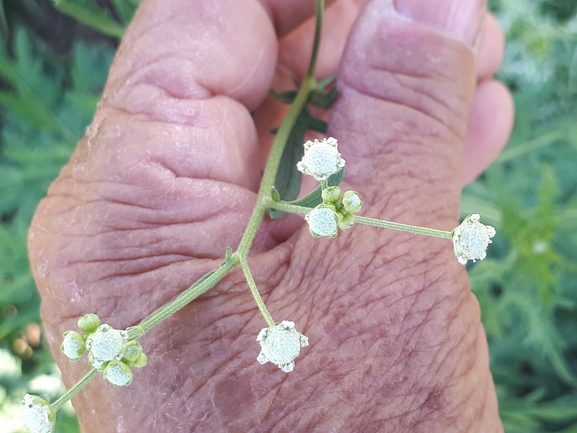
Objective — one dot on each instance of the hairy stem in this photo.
(289, 208)
(74, 390)
(255, 293)
(279, 144)
(206, 283)
(403, 227)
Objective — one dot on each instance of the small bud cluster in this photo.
(471, 239)
(110, 350)
(333, 212)
(281, 344)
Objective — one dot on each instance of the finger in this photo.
(197, 69)
(492, 49)
(287, 16)
(398, 302)
(407, 89)
(489, 128)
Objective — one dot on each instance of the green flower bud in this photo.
(89, 323)
(118, 373)
(346, 221)
(352, 202)
(73, 345)
(39, 415)
(141, 361)
(331, 195)
(132, 351)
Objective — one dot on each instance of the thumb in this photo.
(408, 80)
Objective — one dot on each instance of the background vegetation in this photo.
(53, 64)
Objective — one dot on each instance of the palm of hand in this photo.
(165, 180)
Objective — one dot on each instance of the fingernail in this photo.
(459, 19)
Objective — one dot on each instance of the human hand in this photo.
(165, 180)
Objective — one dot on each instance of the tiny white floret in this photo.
(281, 344)
(471, 239)
(39, 415)
(73, 345)
(118, 373)
(105, 345)
(321, 159)
(322, 222)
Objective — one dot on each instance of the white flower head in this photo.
(471, 239)
(322, 221)
(321, 158)
(39, 415)
(73, 345)
(281, 344)
(105, 345)
(118, 373)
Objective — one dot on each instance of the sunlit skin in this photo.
(166, 178)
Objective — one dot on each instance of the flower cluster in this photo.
(281, 344)
(333, 212)
(110, 350)
(322, 159)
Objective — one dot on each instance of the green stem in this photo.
(287, 207)
(255, 293)
(279, 144)
(318, 28)
(403, 227)
(74, 390)
(206, 283)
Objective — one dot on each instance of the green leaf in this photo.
(31, 97)
(3, 24)
(324, 99)
(314, 198)
(126, 9)
(288, 179)
(88, 12)
(286, 97)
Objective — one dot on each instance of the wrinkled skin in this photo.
(166, 177)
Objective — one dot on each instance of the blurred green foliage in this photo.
(46, 104)
(527, 287)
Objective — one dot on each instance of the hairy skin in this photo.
(166, 177)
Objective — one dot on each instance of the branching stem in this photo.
(74, 390)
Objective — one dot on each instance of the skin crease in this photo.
(165, 180)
